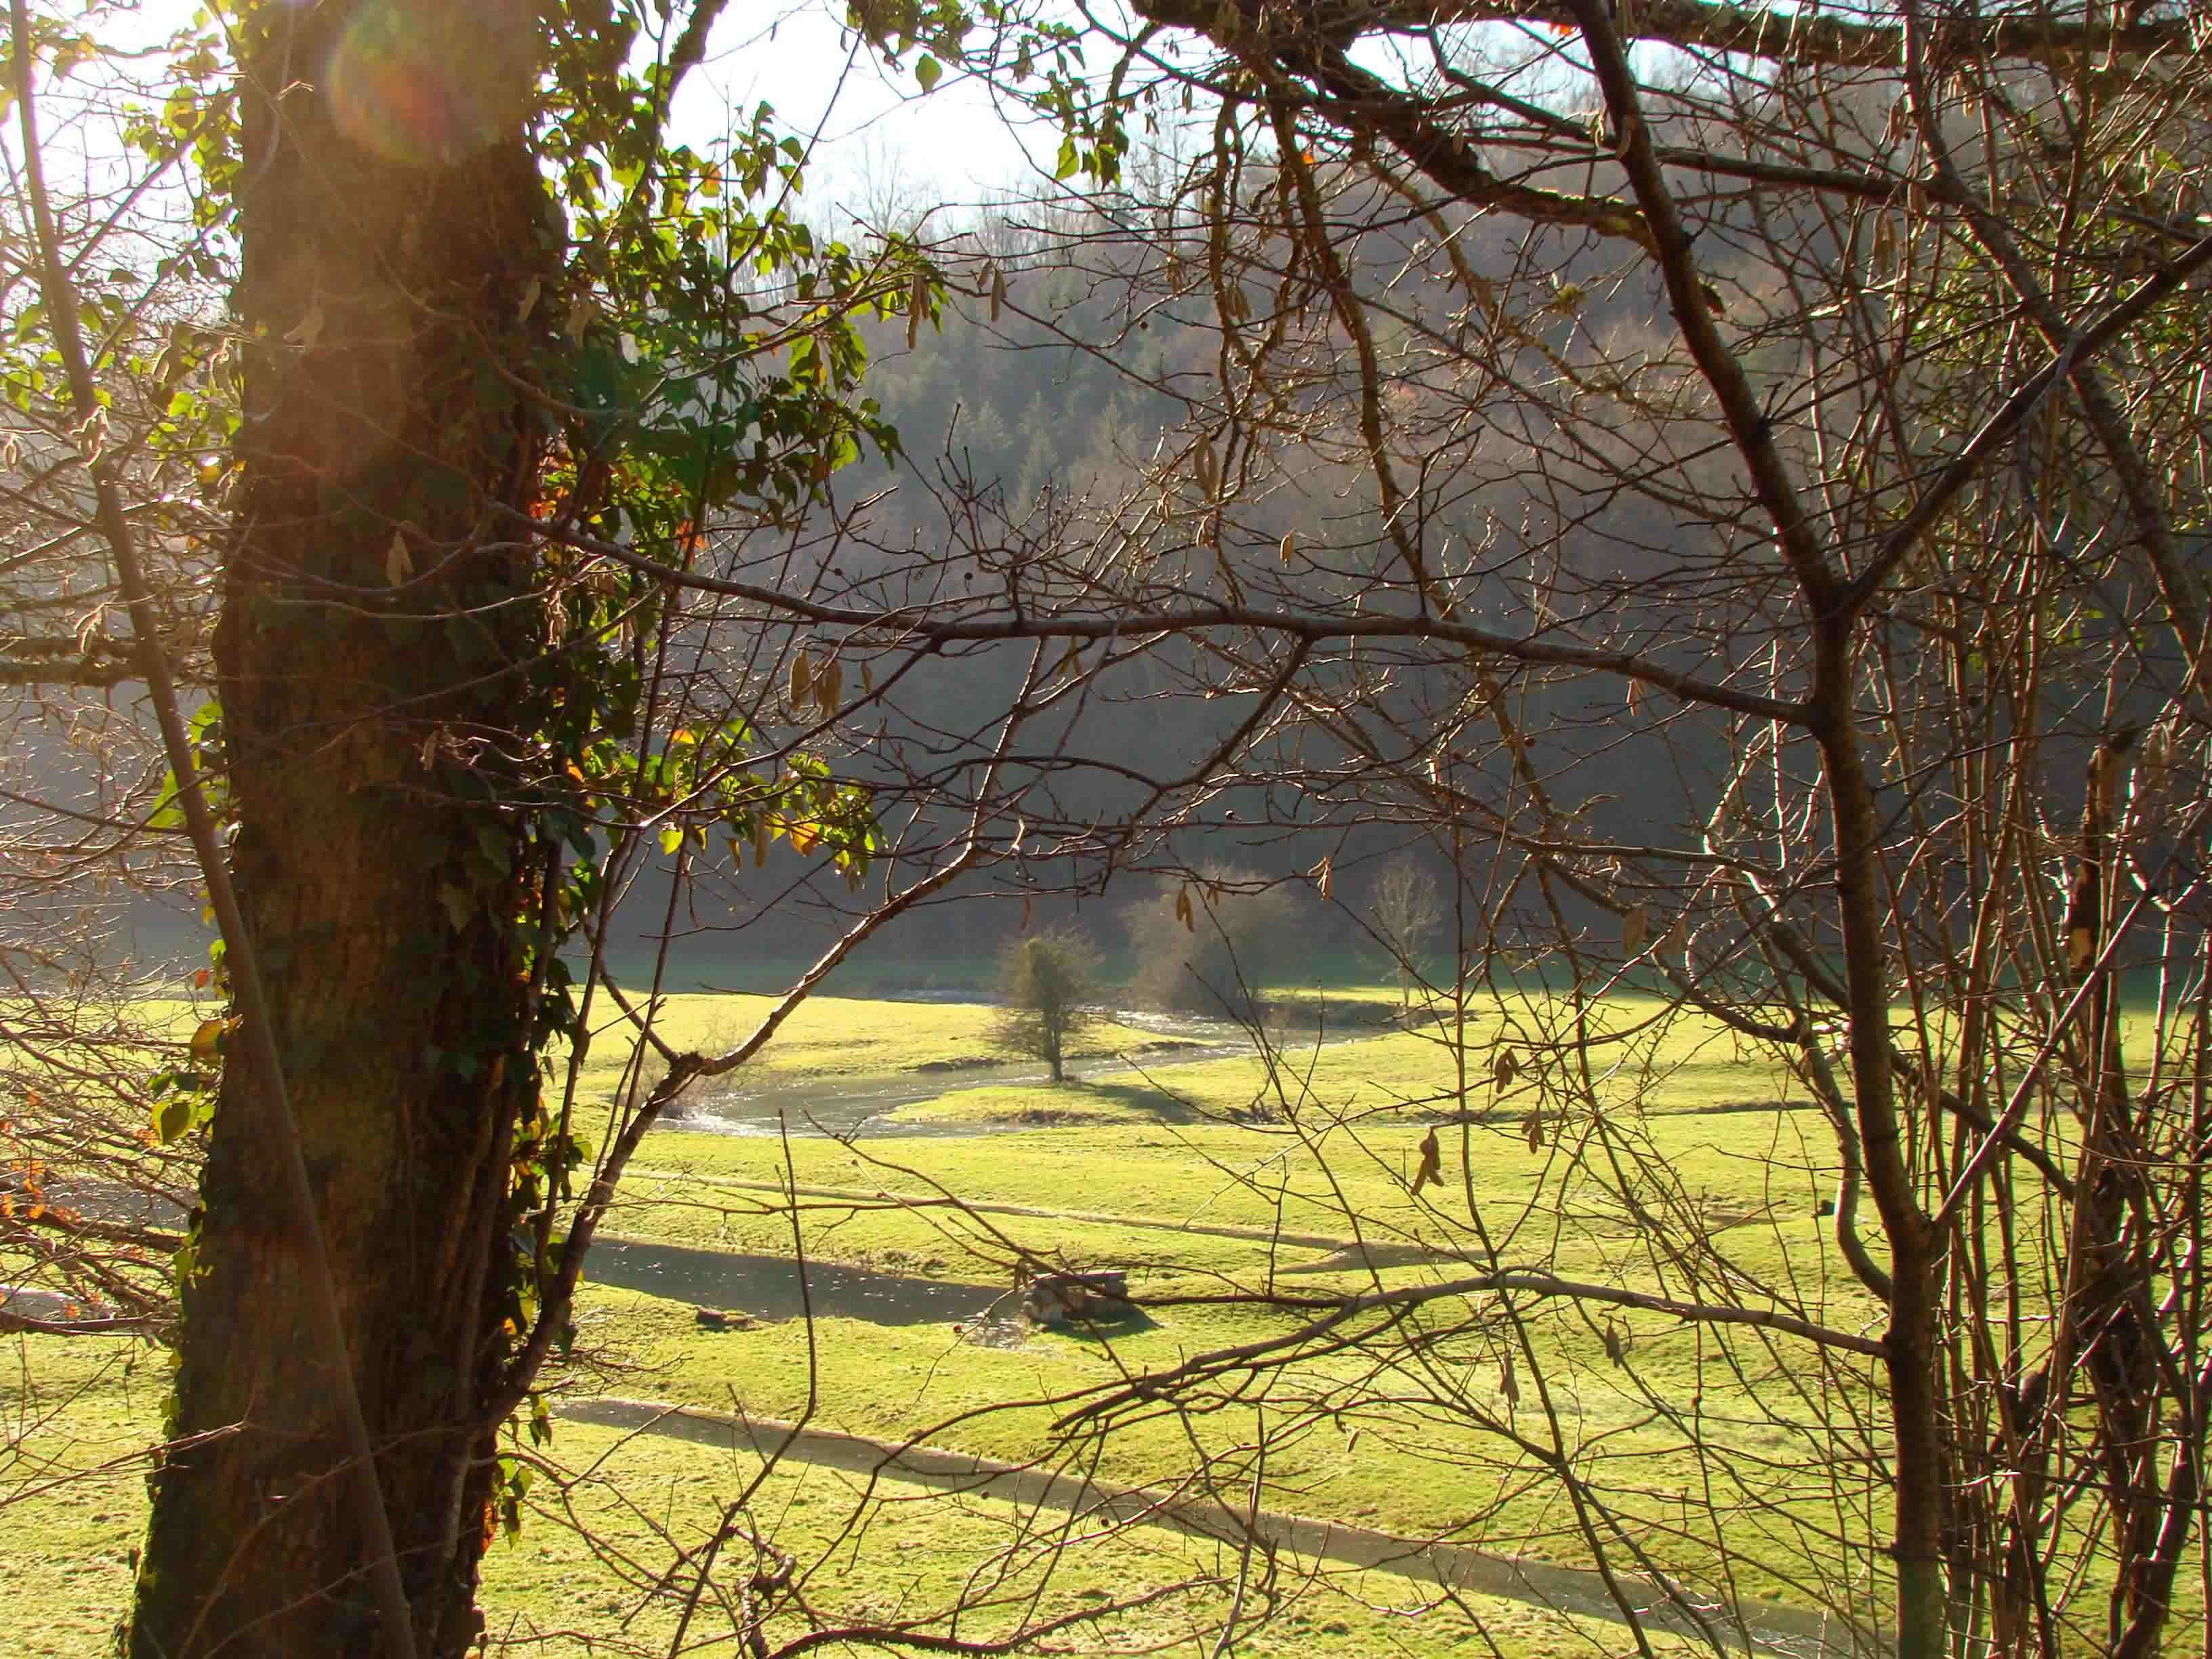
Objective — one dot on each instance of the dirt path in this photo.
(1748, 1627)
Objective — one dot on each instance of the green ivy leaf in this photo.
(172, 1118)
(926, 70)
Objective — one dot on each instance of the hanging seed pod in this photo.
(2160, 746)
(1184, 913)
(802, 679)
(1289, 547)
(1677, 939)
(1616, 1348)
(998, 291)
(1508, 1384)
(1208, 471)
(829, 687)
(1322, 874)
(1504, 1070)
(1432, 1170)
(1634, 928)
(1532, 1127)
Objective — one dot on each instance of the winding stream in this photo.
(848, 1108)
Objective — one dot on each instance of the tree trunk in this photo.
(1919, 1476)
(392, 225)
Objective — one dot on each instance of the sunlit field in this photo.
(606, 1513)
(1653, 1160)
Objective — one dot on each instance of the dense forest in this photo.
(1038, 424)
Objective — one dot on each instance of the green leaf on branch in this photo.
(172, 1119)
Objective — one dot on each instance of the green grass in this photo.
(827, 1039)
(591, 1572)
(1341, 1126)
(1348, 1118)
(1414, 1470)
(1636, 1124)
(1710, 1139)
(75, 1419)
(898, 1554)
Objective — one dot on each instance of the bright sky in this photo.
(882, 140)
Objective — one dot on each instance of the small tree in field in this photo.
(1047, 980)
(1407, 908)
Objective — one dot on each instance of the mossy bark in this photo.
(371, 700)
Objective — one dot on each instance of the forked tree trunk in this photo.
(393, 226)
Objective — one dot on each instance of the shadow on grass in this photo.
(1077, 1102)
(1097, 1330)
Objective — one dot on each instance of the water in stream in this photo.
(849, 1108)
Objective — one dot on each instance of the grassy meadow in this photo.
(1317, 1141)
(1661, 1157)
(588, 1572)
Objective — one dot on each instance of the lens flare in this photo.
(429, 82)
